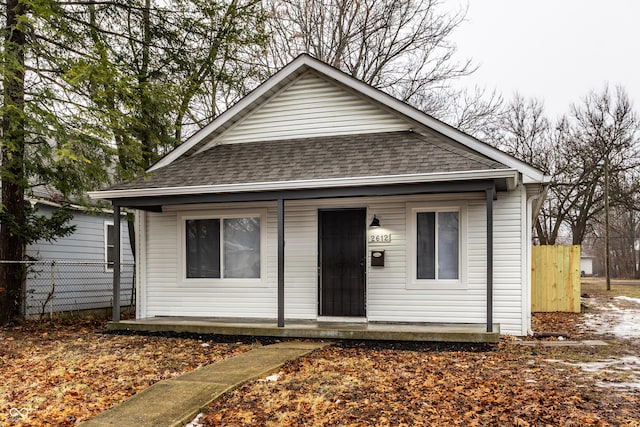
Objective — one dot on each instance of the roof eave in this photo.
(539, 178)
(511, 176)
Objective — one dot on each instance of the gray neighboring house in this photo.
(72, 273)
(320, 198)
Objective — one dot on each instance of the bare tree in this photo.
(478, 112)
(526, 132)
(399, 46)
(624, 235)
(605, 134)
(602, 131)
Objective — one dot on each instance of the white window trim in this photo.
(105, 235)
(412, 209)
(222, 214)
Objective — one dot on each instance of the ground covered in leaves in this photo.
(63, 372)
(359, 386)
(59, 373)
(417, 385)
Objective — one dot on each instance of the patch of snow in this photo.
(628, 325)
(626, 298)
(273, 378)
(195, 422)
(613, 320)
(625, 385)
(204, 344)
(628, 364)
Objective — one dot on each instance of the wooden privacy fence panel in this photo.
(555, 278)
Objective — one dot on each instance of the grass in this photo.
(595, 287)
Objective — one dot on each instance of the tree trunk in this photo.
(146, 114)
(13, 173)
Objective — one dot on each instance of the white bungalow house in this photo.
(318, 197)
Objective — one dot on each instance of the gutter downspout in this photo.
(532, 214)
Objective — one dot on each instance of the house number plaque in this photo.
(380, 238)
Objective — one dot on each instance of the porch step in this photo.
(426, 332)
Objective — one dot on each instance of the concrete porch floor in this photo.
(428, 332)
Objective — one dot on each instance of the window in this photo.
(109, 246)
(203, 248)
(435, 234)
(437, 245)
(223, 247)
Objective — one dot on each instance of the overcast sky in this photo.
(556, 50)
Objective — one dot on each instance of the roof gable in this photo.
(310, 107)
(290, 74)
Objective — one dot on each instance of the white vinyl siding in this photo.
(166, 294)
(509, 254)
(312, 107)
(388, 298)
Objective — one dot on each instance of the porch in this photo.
(427, 332)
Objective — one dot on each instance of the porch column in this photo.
(490, 192)
(116, 263)
(281, 263)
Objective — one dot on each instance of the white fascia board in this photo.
(526, 179)
(510, 174)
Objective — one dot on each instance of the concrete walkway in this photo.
(177, 401)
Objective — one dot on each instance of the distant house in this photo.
(75, 272)
(319, 197)
(586, 265)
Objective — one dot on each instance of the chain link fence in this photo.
(64, 286)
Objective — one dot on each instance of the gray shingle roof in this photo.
(344, 156)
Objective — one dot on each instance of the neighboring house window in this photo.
(225, 247)
(109, 246)
(436, 236)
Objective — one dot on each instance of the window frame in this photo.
(412, 210)
(105, 234)
(183, 217)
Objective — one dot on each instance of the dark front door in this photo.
(342, 262)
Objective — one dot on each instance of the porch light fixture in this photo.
(375, 222)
